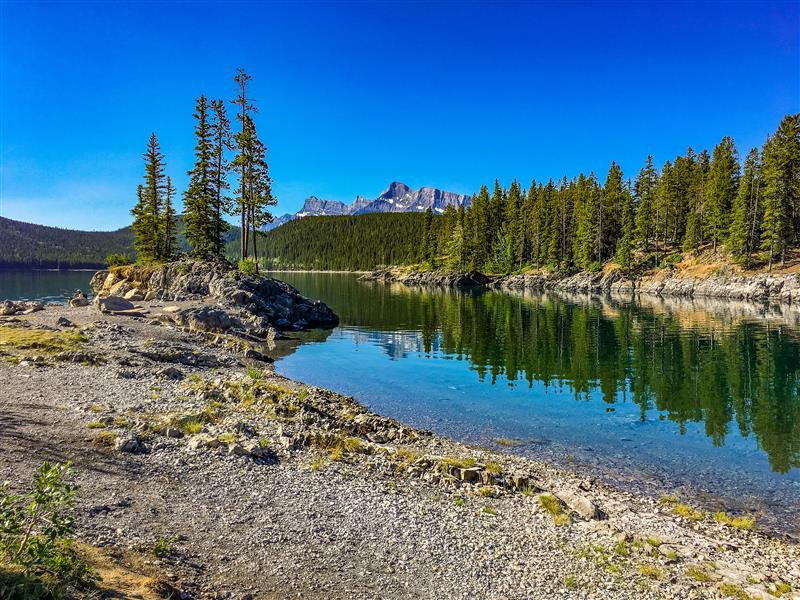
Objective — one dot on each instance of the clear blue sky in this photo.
(355, 95)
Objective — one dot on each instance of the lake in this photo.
(659, 395)
(47, 286)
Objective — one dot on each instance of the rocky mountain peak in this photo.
(396, 189)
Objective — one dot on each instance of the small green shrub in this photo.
(687, 512)
(651, 571)
(163, 547)
(488, 510)
(551, 504)
(458, 501)
(255, 374)
(494, 468)
(734, 591)
(248, 266)
(744, 523)
(118, 260)
(698, 573)
(36, 533)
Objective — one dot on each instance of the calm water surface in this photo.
(702, 397)
(47, 286)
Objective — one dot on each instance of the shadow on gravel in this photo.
(30, 437)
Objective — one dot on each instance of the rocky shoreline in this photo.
(263, 487)
(757, 287)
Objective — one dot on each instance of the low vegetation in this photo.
(27, 341)
(687, 512)
(553, 505)
(744, 523)
(36, 538)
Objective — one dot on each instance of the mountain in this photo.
(398, 197)
(30, 246)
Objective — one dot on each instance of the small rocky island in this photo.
(203, 474)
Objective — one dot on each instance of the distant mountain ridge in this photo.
(398, 197)
(27, 245)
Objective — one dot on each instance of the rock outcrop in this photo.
(429, 278)
(761, 287)
(261, 302)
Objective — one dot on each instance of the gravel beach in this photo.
(261, 487)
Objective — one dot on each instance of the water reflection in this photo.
(723, 365)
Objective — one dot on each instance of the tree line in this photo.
(345, 242)
(698, 200)
(206, 201)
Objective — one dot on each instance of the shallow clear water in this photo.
(702, 397)
(658, 395)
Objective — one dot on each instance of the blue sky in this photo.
(355, 95)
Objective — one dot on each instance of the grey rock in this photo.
(64, 322)
(580, 504)
(130, 444)
(171, 373)
(110, 304)
(203, 440)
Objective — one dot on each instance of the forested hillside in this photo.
(344, 242)
(748, 213)
(29, 246)
(24, 245)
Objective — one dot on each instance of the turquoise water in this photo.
(660, 395)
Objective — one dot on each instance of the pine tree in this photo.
(645, 188)
(585, 226)
(222, 142)
(513, 257)
(610, 213)
(477, 236)
(665, 192)
(781, 176)
(428, 243)
(695, 233)
(723, 181)
(243, 159)
(142, 234)
(147, 213)
(624, 250)
(747, 210)
(169, 232)
(198, 201)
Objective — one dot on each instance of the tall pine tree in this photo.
(199, 225)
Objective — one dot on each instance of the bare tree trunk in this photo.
(255, 237)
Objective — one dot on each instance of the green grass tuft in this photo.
(743, 523)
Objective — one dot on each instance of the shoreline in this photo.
(762, 288)
(319, 447)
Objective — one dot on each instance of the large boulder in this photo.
(112, 304)
(262, 302)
